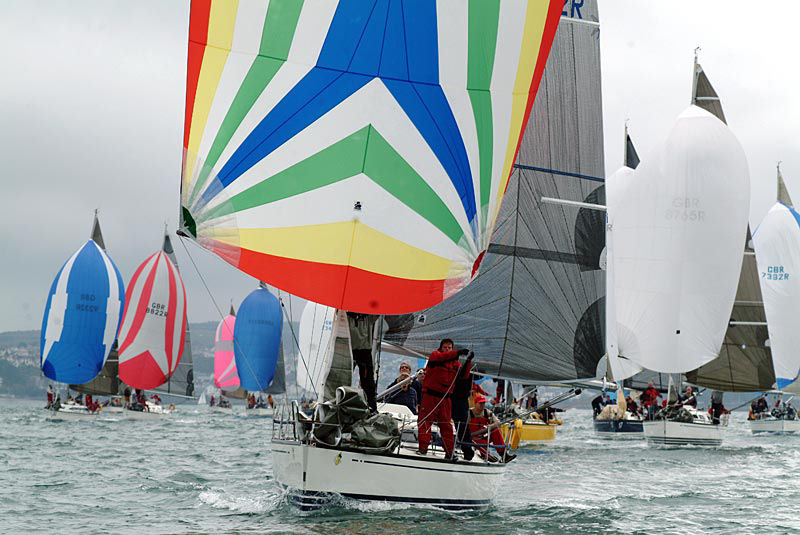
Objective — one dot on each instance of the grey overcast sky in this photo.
(91, 116)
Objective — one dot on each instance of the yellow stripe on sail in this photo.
(331, 243)
(221, 22)
(535, 19)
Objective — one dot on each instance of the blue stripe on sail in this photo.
(782, 383)
(395, 41)
(79, 353)
(257, 338)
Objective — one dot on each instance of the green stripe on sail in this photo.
(364, 151)
(276, 38)
(341, 160)
(484, 17)
(391, 172)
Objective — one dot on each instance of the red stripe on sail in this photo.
(137, 310)
(169, 326)
(548, 34)
(365, 292)
(144, 370)
(198, 36)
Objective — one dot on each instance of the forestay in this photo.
(257, 338)
(82, 314)
(398, 122)
(535, 311)
(153, 331)
(678, 241)
(777, 245)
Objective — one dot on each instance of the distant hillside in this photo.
(21, 377)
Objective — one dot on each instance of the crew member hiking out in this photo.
(361, 326)
(436, 389)
(483, 423)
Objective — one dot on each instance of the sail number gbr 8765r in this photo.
(685, 209)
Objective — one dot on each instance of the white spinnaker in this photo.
(621, 368)
(777, 245)
(316, 346)
(679, 231)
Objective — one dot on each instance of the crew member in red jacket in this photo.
(483, 423)
(436, 389)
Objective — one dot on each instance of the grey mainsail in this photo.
(107, 382)
(783, 193)
(181, 382)
(535, 311)
(745, 360)
(278, 384)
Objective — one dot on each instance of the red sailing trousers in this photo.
(429, 413)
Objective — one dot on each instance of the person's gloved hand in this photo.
(470, 356)
(462, 352)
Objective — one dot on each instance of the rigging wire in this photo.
(219, 311)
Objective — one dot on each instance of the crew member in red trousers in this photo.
(436, 389)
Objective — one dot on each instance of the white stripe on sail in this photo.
(58, 308)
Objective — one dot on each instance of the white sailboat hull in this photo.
(264, 412)
(222, 410)
(70, 414)
(155, 412)
(108, 409)
(314, 475)
(670, 433)
(773, 425)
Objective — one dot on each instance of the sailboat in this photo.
(535, 312)
(152, 335)
(257, 343)
(356, 154)
(617, 422)
(777, 252)
(225, 377)
(81, 319)
(683, 218)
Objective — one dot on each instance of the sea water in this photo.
(200, 472)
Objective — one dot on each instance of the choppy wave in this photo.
(198, 473)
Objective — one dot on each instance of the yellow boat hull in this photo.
(527, 433)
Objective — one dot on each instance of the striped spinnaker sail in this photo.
(356, 153)
(153, 331)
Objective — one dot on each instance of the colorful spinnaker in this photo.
(82, 314)
(398, 122)
(777, 245)
(679, 235)
(257, 339)
(153, 332)
(225, 376)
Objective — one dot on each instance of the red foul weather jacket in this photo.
(440, 372)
